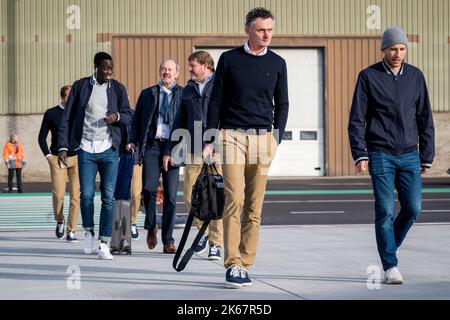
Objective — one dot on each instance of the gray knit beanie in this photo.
(393, 36)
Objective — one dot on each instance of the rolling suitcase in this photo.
(121, 228)
(121, 232)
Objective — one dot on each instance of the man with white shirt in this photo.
(249, 104)
(96, 109)
(51, 122)
(151, 126)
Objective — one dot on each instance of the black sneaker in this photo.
(246, 281)
(71, 237)
(233, 278)
(134, 232)
(59, 231)
(202, 244)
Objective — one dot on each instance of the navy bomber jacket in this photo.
(391, 113)
(193, 107)
(71, 129)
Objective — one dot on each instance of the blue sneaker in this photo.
(233, 278)
(246, 281)
(71, 237)
(214, 252)
(59, 231)
(201, 245)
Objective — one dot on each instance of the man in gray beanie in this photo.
(391, 132)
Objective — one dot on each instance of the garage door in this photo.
(302, 150)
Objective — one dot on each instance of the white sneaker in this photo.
(88, 242)
(104, 253)
(393, 276)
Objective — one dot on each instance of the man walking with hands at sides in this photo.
(391, 133)
(192, 116)
(150, 131)
(249, 104)
(96, 110)
(51, 122)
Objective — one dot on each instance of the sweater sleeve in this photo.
(216, 100)
(357, 120)
(63, 131)
(281, 100)
(425, 126)
(43, 132)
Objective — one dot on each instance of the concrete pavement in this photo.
(294, 263)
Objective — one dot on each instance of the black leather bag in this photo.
(207, 204)
(208, 195)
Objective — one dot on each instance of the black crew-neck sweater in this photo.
(51, 122)
(249, 92)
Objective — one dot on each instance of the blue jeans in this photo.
(151, 172)
(106, 164)
(403, 173)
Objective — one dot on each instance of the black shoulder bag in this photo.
(207, 205)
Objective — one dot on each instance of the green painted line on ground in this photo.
(269, 192)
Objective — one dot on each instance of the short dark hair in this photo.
(258, 12)
(203, 58)
(62, 92)
(99, 56)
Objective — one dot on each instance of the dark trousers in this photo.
(19, 179)
(151, 173)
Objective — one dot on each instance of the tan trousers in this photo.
(136, 191)
(246, 161)
(191, 172)
(59, 178)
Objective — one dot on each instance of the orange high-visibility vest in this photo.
(14, 155)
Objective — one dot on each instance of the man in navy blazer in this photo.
(96, 110)
(151, 126)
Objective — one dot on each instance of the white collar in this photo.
(94, 82)
(249, 51)
(61, 106)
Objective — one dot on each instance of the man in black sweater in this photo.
(249, 104)
(51, 122)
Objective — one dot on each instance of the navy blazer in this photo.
(71, 130)
(147, 107)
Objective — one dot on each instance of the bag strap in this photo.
(188, 255)
(214, 169)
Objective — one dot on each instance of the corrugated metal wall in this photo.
(345, 58)
(138, 58)
(50, 55)
(3, 58)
